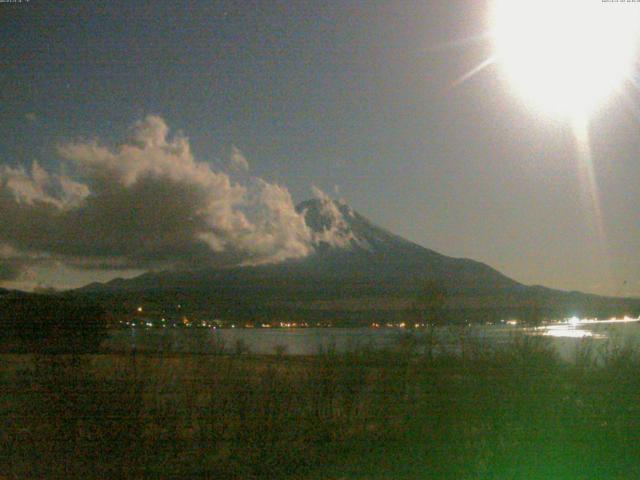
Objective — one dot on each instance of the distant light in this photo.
(139, 309)
(581, 321)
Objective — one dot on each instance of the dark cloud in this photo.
(146, 204)
(11, 269)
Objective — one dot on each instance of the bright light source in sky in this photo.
(565, 57)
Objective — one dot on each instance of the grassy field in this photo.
(512, 413)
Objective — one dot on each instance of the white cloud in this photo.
(335, 230)
(238, 160)
(40, 186)
(146, 204)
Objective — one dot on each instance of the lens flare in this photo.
(565, 57)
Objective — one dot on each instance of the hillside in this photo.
(359, 273)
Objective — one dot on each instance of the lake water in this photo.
(566, 336)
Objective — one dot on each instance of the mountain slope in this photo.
(358, 272)
(347, 248)
(376, 254)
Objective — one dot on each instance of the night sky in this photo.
(356, 98)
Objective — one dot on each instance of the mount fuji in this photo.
(358, 273)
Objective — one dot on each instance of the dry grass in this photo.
(512, 413)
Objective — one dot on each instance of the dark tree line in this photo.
(51, 324)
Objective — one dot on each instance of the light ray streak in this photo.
(590, 195)
(474, 71)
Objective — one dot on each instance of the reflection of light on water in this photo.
(574, 327)
(569, 331)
